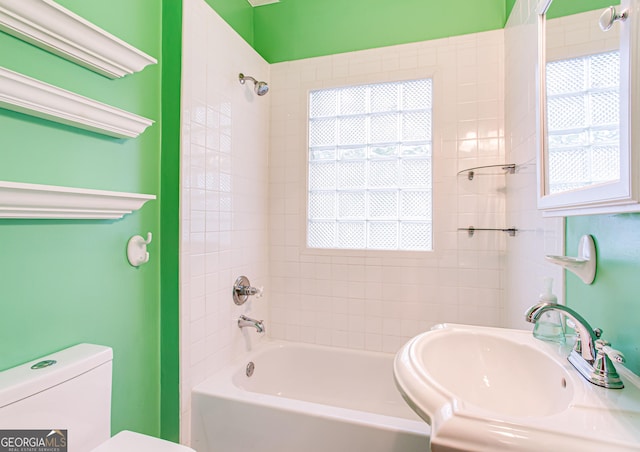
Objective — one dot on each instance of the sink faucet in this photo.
(587, 335)
(244, 321)
(590, 355)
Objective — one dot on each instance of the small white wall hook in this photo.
(137, 250)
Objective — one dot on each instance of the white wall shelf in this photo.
(46, 24)
(33, 97)
(507, 168)
(33, 201)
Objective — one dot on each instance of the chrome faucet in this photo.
(587, 335)
(244, 321)
(591, 356)
(242, 290)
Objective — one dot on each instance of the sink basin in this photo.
(489, 389)
(498, 375)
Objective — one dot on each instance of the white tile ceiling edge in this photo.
(255, 3)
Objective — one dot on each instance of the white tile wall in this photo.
(525, 263)
(224, 196)
(378, 300)
(579, 35)
(244, 190)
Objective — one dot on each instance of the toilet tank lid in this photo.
(22, 381)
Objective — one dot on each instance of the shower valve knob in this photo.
(242, 290)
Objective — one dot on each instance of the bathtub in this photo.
(305, 398)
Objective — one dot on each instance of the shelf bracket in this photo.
(509, 168)
(472, 230)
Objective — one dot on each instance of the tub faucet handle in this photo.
(242, 290)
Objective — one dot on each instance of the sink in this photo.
(484, 389)
(491, 373)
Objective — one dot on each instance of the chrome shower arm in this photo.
(242, 78)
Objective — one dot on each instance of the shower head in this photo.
(261, 88)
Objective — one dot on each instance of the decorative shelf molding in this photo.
(31, 201)
(46, 24)
(33, 97)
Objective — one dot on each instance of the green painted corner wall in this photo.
(296, 29)
(67, 282)
(170, 220)
(568, 7)
(612, 301)
(238, 14)
(509, 4)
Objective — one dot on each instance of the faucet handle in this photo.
(571, 324)
(604, 347)
(242, 290)
(577, 346)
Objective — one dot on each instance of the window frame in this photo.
(372, 79)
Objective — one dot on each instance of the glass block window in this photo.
(583, 123)
(370, 179)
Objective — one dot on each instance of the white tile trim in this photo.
(33, 97)
(32, 201)
(255, 3)
(46, 24)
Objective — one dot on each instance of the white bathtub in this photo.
(305, 398)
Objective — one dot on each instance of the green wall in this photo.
(295, 29)
(612, 301)
(509, 4)
(561, 8)
(238, 14)
(67, 282)
(170, 219)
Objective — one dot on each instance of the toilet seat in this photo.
(127, 441)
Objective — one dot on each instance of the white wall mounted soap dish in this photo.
(584, 266)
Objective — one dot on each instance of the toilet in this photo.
(70, 390)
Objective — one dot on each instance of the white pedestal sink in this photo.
(491, 389)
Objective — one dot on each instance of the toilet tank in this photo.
(74, 394)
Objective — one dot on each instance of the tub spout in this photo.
(244, 321)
